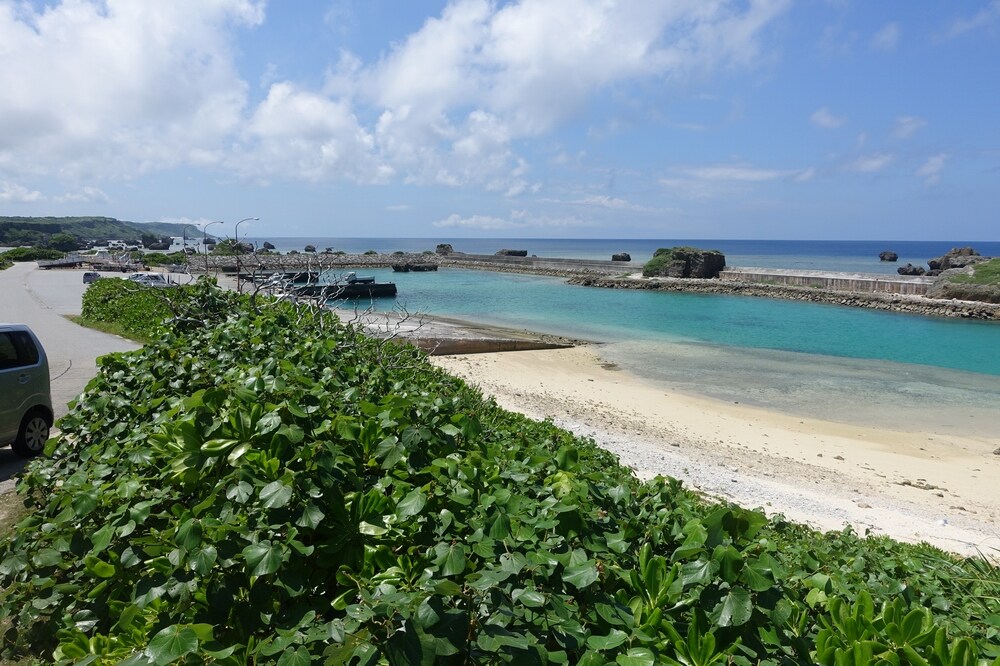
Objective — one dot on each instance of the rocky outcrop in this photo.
(958, 257)
(414, 267)
(512, 253)
(887, 255)
(685, 262)
(621, 256)
(910, 269)
(444, 248)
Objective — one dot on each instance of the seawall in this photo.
(893, 302)
(914, 285)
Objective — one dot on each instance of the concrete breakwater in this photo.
(892, 302)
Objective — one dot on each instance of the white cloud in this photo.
(907, 126)
(15, 193)
(886, 39)
(88, 194)
(613, 203)
(931, 169)
(398, 208)
(114, 88)
(518, 219)
(303, 135)
(827, 120)
(117, 87)
(985, 17)
(738, 173)
(871, 163)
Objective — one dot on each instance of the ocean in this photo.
(838, 363)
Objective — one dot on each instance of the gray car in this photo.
(25, 400)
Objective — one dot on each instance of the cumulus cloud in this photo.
(886, 39)
(613, 203)
(871, 163)
(907, 126)
(931, 169)
(827, 120)
(113, 88)
(117, 87)
(15, 193)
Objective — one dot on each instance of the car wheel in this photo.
(32, 436)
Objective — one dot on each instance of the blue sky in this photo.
(799, 119)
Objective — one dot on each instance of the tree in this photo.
(63, 242)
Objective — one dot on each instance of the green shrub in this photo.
(370, 252)
(263, 484)
(164, 259)
(31, 254)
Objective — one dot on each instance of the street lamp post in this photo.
(204, 241)
(238, 249)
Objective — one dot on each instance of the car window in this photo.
(17, 350)
(8, 352)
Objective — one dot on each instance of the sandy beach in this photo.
(912, 486)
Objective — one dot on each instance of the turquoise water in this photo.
(606, 315)
(888, 370)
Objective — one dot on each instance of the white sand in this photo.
(912, 486)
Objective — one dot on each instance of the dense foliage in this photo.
(137, 311)
(30, 254)
(274, 487)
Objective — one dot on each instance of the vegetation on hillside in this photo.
(982, 284)
(39, 231)
(263, 484)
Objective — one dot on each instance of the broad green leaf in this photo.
(275, 495)
(450, 557)
(609, 642)
(412, 504)
(582, 575)
(637, 657)
(311, 516)
(531, 598)
(299, 657)
(734, 610)
(189, 534)
(203, 559)
(262, 558)
(172, 643)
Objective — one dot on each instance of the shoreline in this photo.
(909, 486)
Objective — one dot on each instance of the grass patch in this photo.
(987, 272)
(111, 328)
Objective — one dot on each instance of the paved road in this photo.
(41, 299)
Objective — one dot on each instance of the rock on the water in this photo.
(444, 248)
(685, 262)
(887, 256)
(512, 253)
(910, 269)
(621, 256)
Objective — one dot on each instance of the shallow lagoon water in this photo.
(832, 362)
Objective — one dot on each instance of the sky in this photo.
(673, 119)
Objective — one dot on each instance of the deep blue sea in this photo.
(840, 363)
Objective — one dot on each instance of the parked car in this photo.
(26, 407)
(151, 279)
(91, 276)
